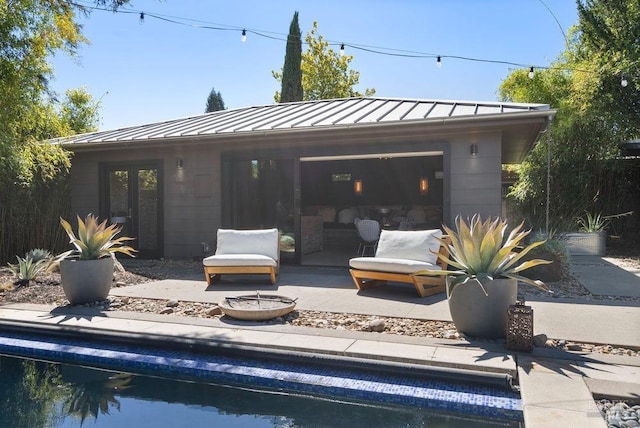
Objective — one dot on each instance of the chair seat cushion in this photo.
(384, 264)
(239, 260)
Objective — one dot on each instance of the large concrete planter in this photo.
(86, 281)
(585, 243)
(479, 315)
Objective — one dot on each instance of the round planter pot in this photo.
(478, 315)
(86, 281)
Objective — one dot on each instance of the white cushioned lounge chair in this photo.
(244, 252)
(399, 255)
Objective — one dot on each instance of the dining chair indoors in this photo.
(369, 233)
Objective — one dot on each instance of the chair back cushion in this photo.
(417, 245)
(259, 241)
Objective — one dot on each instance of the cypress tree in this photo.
(214, 101)
(291, 72)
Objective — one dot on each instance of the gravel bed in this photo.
(619, 414)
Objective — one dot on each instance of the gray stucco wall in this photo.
(475, 181)
(192, 201)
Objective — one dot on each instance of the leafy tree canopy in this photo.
(33, 175)
(595, 114)
(325, 72)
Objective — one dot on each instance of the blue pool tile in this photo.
(318, 380)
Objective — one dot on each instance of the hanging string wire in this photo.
(378, 50)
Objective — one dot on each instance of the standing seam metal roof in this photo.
(303, 115)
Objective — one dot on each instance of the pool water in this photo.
(44, 394)
(167, 384)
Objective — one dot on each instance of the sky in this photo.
(156, 70)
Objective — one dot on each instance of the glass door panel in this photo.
(147, 209)
(119, 207)
(263, 198)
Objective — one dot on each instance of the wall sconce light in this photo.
(424, 186)
(179, 163)
(474, 150)
(357, 187)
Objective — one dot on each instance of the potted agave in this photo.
(86, 271)
(485, 282)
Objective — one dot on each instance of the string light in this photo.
(624, 82)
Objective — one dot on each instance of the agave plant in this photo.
(28, 268)
(480, 253)
(39, 254)
(592, 222)
(95, 240)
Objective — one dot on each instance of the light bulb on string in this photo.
(141, 21)
(624, 82)
(439, 62)
(244, 36)
(531, 73)
(342, 49)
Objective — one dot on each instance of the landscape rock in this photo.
(540, 340)
(376, 325)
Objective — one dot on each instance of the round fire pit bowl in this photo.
(257, 307)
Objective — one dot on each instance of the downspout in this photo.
(548, 201)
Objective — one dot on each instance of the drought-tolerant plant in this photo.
(593, 222)
(480, 253)
(39, 254)
(27, 269)
(95, 240)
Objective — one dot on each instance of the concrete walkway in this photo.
(557, 387)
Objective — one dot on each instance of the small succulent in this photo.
(480, 253)
(95, 240)
(39, 254)
(28, 268)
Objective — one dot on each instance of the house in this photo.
(308, 168)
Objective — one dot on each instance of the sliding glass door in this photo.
(260, 193)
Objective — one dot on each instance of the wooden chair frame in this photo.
(424, 285)
(214, 273)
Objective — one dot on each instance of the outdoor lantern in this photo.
(520, 327)
(179, 163)
(424, 186)
(357, 187)
(474, 150)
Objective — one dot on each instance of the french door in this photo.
(132, 198)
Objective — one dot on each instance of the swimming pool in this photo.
(193, 389)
